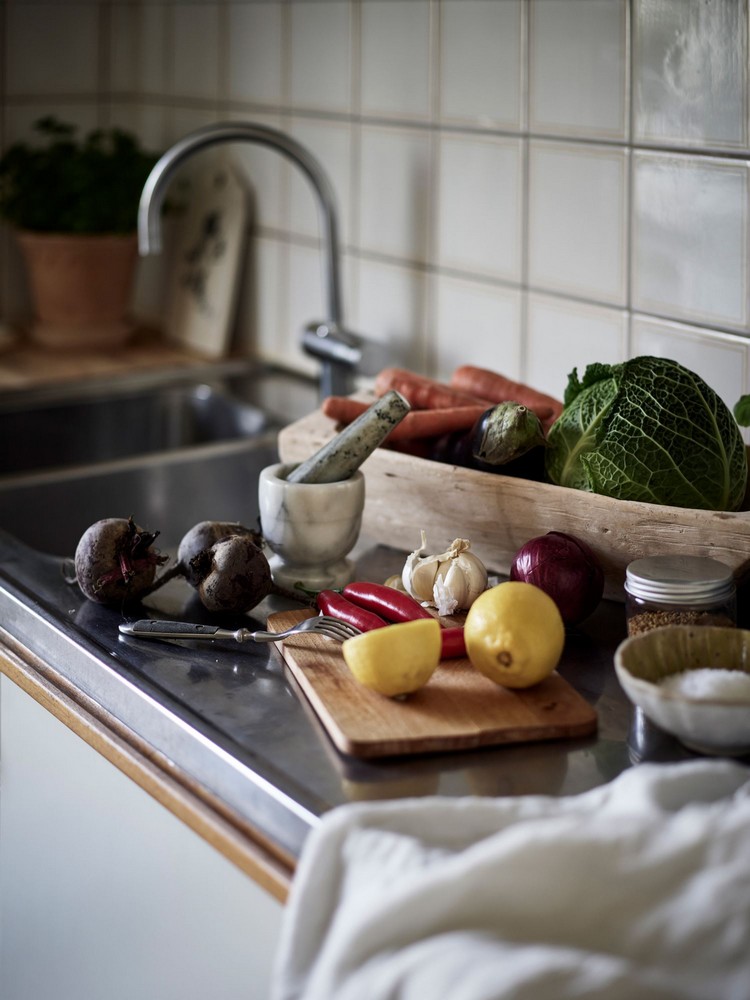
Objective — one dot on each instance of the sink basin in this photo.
(170, 450)
(58, 430)
(168, 493)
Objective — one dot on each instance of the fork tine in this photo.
(332, 628)
(335, 628)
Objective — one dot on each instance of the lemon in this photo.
(397, 659)
(514, 634)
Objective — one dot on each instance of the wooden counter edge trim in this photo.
(235, 840)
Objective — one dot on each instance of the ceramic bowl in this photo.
(709, 725)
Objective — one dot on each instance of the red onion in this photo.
(566, 569)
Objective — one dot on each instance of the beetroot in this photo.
(223, 561)
(201, 537)
(114, 561)
(232, 575)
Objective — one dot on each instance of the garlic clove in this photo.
(449, 581)
(443, 598)
(421, 578)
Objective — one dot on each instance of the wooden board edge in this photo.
(477, 741)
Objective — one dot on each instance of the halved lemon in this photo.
(395, 660)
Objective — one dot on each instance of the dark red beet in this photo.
(233, 575)
(114, 561)
(201, 537)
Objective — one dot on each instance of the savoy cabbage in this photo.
(650, 430)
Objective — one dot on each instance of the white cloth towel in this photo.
(637, 890)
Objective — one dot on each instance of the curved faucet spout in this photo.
(336, 348)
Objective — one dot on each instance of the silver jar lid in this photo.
(687, 580)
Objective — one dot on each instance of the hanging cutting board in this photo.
(457, 709)
(208, 253)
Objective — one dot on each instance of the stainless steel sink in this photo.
(168, 493)
(170, 450)
(63, 427)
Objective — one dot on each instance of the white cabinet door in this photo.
(104, 894)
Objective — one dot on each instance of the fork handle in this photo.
(149, 628)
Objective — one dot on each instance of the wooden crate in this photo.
(498, 514)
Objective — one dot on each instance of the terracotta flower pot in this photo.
(81, 287)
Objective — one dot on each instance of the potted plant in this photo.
(74, 204)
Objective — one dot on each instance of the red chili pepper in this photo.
(453, 644)
(386, 601)
(332, 603)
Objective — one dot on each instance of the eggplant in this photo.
(508, 438)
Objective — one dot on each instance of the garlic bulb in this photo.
(450, 581)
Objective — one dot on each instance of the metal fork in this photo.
(148, 628)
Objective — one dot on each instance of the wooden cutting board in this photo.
(458, 709)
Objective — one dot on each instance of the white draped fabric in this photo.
(637, 889)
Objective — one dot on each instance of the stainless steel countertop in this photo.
(232, 718)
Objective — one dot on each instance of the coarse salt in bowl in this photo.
(692, 682)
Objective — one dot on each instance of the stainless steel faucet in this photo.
(338, 349)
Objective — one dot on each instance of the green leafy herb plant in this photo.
(62, 184)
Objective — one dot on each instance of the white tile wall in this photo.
(578, 220)
(690, 231)
(563, 335)
(255, 72)
(481, 66)
(679, 48)
(303, 302)
(480, 193)
(320, 51)
(391, 306)
(123, 48)
(195, 51)
(578, 67)
(395, 69)
(330, 144)
(155, 55)
(38, 63)
(476, 324)
(266, 177)
(531, 184)
(394, 192)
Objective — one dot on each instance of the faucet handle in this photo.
(339, 354)
(343, 354)
(329, 342)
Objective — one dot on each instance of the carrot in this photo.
(422, 392)
(433, 423)
(343, 409)
(499, 389)
(416, 423)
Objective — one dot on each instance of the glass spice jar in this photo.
(678, 590)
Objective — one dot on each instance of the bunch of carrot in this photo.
(440, 408)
